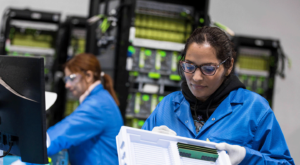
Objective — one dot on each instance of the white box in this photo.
(141, 147)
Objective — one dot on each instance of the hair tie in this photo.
(102, 74)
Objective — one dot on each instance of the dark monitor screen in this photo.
(22, 108)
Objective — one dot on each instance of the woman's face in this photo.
(202, 86)
(75, 83)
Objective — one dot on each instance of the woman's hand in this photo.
(164, 130)
(236, 153)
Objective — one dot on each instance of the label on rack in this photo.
(145, 98)
(158, 60)
(129, 63)
(142, 58)
(133, 73)
(141, 123)
(137, 103)
(153, 102)
(175, 77)
(135, 123)
(160, 98)
(154, 75)
(174, 61)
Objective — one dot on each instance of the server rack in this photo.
(76, 36)
(257, 63)
(81, 36)
(99, 42)
(31, 33)
(150, 39)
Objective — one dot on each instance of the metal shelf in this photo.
(149, 93)
(35, 25)
(154, 44)
(182, 10)
(252, 72)
(33, 50)
(254, 51)
(163, 9)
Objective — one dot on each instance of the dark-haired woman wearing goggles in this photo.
(214, 105)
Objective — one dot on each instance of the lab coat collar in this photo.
(183, 112)
(236, 96)
(224, 109)
(88, 91)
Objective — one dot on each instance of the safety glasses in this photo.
(206, 69)
(72, 79)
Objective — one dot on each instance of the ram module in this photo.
(197, 152)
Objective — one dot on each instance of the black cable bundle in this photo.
(282, 57)
(7, 152)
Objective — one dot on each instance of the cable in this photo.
(7, 152)
(223, 27)
(283, 57)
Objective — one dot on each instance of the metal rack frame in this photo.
(272, 45)
(126, 21)
(57, 111)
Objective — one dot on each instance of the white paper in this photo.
(50, 98)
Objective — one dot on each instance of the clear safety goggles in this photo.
(206, 69)
(73, 79)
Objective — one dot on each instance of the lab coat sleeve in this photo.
(84, 123)
(269, 146)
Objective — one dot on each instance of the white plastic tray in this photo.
(140, 147)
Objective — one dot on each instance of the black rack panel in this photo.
(31, 33)
(256, 64)
(151, 38)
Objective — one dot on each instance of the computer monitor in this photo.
(22, 108)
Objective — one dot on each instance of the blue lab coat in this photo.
(243, 118)
(89, 133)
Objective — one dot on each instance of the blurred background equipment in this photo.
(101, 33)
(33, 34)
(257, 64)
(150, 40)
(138, 43)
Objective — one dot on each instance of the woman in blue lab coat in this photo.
(89, 133)
(214, 105)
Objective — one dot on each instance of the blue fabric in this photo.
(244, 118)
(89, 133)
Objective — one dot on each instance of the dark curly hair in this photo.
(216, 38)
